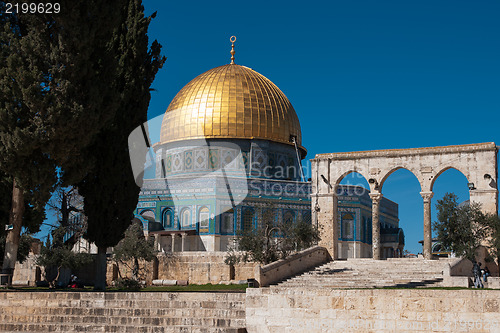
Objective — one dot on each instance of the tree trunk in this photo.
(64, 210)
(53, 283)
(135, 271)
(100, 272)
(14, 235)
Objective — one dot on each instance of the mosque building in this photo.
(229, 156)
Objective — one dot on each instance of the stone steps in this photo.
(369, 273)
(122, 312)
(109, 328)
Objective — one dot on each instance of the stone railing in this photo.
(293, 265)
(457, 273)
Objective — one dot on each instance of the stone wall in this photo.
(372, 310)
(194, 267)
(27, 274)
(201, 268)
(259, 311)
(121, 312)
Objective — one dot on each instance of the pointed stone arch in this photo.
(443, 170)
(347, 173)
(415, 173)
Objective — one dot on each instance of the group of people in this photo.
(479, 273)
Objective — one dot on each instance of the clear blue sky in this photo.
(361, 75)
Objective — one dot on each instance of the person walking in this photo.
(476, 272)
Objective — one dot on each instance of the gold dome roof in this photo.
(231, 101)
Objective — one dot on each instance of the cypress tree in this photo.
(54, 98)
(109, 189)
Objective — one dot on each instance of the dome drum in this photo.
(267, 159)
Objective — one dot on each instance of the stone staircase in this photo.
(369, 273)
(122, 312)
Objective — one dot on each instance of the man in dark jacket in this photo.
(476, 271)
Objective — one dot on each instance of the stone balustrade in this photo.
(296, 263)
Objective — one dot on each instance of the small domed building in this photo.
(229, 156)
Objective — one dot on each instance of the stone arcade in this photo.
(478, 162)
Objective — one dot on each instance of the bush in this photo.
(272, 241)
(127, 284)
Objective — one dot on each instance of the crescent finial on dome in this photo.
(232, 40)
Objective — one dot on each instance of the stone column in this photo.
(157, 242)
(173, 242)
(327, 221)
(427, 196)
(335, 210)
(376, 197)
(183, 242)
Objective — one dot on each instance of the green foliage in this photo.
(127, 284)
(109, 189)
(24, 247)
(199, 288)
(54, 97)
(272, 241)
(460, 228)
(134, 247)
(32, 219)
(59, 255)
(493, 224)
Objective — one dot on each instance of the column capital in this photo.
(183, 235)
(376, 196)
(427, 196)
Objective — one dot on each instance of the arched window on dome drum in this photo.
(227, 221)
(288, 217)
(185, 218)
(269, 215)
(168, 218)
(248, 219)
(148, 215)
(306, 217)
(362, 235)
(204, 218)
(347, 226)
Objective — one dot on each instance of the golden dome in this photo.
(231, 101)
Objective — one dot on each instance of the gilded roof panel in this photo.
(231, 101)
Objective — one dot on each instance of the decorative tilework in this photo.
(259, 158)
(177, 162)
(272, 159)
(244, 160)
(200, 159)
(228, 157)
(214, 158)
(188, 160)
(169, 163)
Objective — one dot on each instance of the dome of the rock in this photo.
(231, 102)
